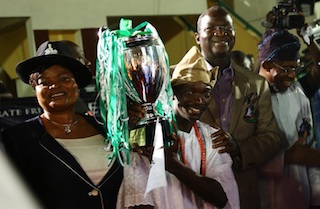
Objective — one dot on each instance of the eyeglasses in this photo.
(287, 69)
(223, 28)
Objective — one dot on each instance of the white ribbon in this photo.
(157, 174)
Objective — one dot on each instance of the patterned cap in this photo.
(193, 68)
(278, 45)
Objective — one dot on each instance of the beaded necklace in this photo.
(202, 149)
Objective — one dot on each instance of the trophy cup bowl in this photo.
(146, 69)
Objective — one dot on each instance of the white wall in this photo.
(75, 14)
(254, 11)
(317, 10)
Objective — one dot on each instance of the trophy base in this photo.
(143, 135)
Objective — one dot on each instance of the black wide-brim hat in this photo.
(55, 53)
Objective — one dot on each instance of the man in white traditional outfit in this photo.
(292, 179)
(197, 176)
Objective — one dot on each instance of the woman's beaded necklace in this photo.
(202, 149)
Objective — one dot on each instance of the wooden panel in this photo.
(40, 36)
(89, 43)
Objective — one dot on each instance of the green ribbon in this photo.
(111, 83)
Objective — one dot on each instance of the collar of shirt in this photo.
(227, 71)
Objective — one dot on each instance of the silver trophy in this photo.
(146, 69)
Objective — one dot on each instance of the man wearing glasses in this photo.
(292, 179)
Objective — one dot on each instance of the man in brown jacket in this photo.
(240, 105)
